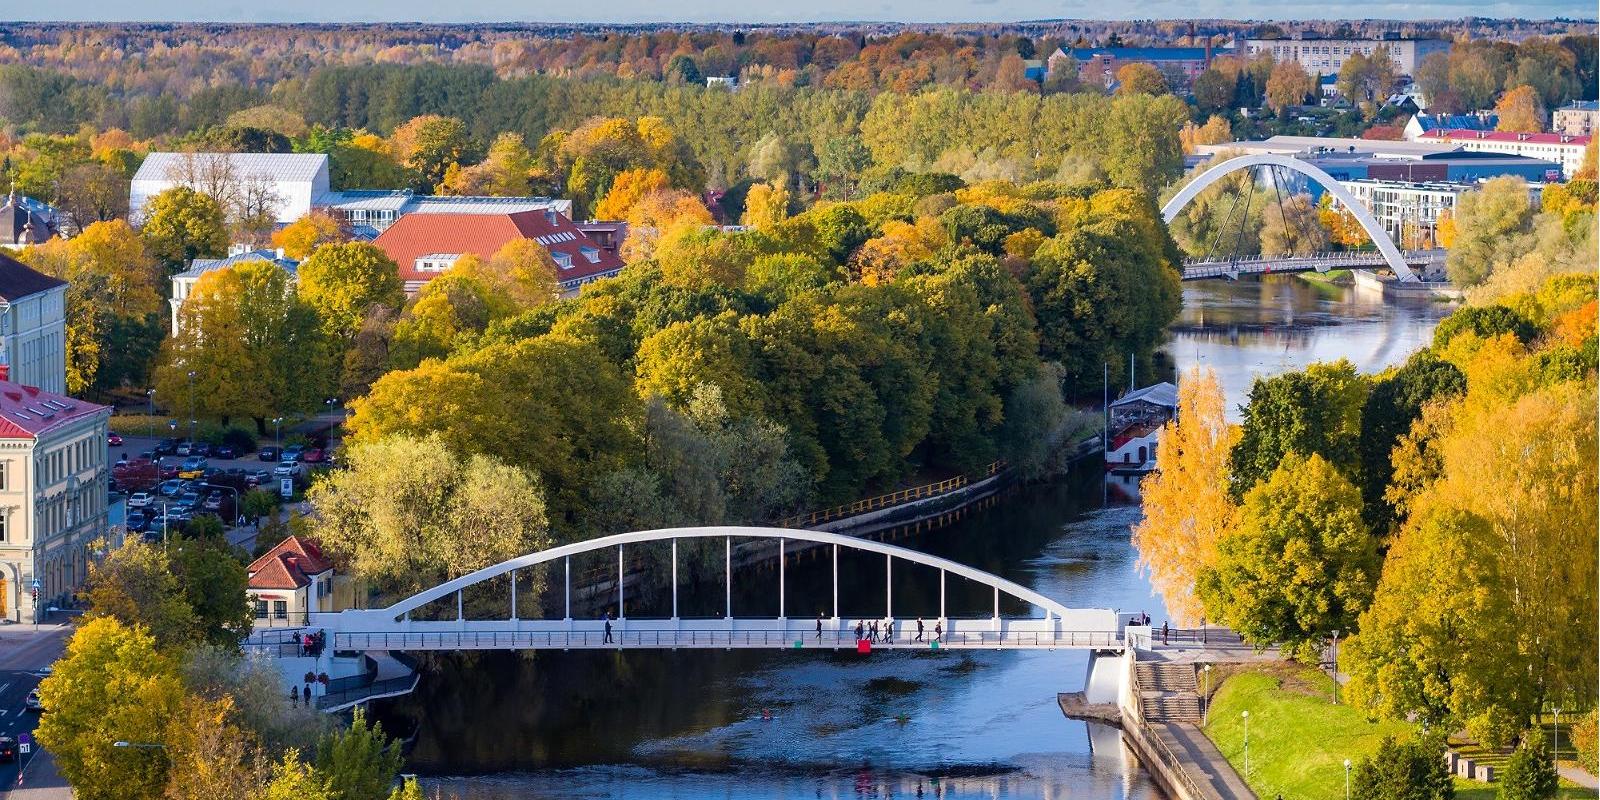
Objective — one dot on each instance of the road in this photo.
(23, 653)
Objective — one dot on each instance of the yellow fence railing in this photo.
(890, 500)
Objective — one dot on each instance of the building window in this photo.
(280, 609)
(562, 259)
(591, 254)
(4, 467)
(261, 609)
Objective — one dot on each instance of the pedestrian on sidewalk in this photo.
(888, 630)
(919, 629)
(1164, 632)
(860, 630)
(608, 629)
(819, 626)
(294, 696)
(938, 631)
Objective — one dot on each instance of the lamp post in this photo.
(151, 394)
(146, 746)
(277, 427)
(1335, 668)
(1205, 697)
(192, 421)
(1246, 716)
(1555, 737)
(1347, 779)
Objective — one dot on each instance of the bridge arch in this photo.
(1051, 607)
(1391, 253)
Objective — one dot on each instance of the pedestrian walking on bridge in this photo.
(608, 629)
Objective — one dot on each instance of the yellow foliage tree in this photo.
(1215, 131)
(1288, 85)
(299, 239)
(627, 189)
(1140, 78)
(1520, 110)
(1186, 503)
(655, 213)
(766, 206)
(900, 245)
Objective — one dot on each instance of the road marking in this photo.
(3, 687)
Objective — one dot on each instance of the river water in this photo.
(647, 724)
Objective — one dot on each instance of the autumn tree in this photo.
(765, 206)
(299, 239)
(1137, 77)
(1314, 411)
(627, 189)
(111, 685)
(522, 272)
(428, 145)
(695, 257)
(1215, 131)
(449, 310)
(181, 224)
(503, 172)
(342, 281)
(1187, 509)
(1491, 226)
(1289, 85)
(1300, 562)
(91, 192)
(136, 585)
(1367, 79)
(1520, 111)
(1292, 227)
(409, 512)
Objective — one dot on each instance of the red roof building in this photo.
(28, 412)
(290, 579)
(425, 245)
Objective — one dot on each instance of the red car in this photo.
(312, 456)
(114, 439)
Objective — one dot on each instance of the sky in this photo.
(736, 11)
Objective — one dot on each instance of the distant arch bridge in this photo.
(1388, 254)
(394, 628)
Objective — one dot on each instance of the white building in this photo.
(1420, 124)
(288, 183)
(1578, 118)
(1558, 147)
(33, 326)
(1409, 211)
(1136, 420)
(183, 282)
(371, 211)
(53, 477)
(1327, 56)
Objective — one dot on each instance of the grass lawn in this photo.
(1299, 739)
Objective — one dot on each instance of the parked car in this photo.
(186, 502)
(293, 452)
(214, 501)
(270, 454)
(193, 467)
(200, 449)
(183, 448)
(170, 487)
(114, 439)
(287, 469)
(8, 749)
(312, 456)
(137, 521)
(140, 499)
(166, 447)
(167, 470)
(257, 477)
(32, 703)
(223, 451)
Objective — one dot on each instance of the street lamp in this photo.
(1335, 669)
(146, 746)
(1205, 697)
(151, 393)
(1246, 715)
(277, 426)
(1347, 779)
(192, 420)
(1555, 737)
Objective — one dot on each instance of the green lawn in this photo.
(1299, 739)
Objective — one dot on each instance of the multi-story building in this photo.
(425, 245)
(1578, 118)
(183, 282)
(1564, 149)
(33, 326)
(1409, 211)
(288, 183)
(1097, 66)
(53, 477)
(1327, 56)
(371, 211)
(1420, 124)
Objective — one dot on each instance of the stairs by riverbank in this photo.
(1168, 692)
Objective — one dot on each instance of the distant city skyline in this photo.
(767, 11)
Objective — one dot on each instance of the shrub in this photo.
(1586, 736)
(1530, 774)
(1412, 770)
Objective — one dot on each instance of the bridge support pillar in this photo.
(1105, 678)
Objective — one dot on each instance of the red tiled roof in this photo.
(289, 565)
(26, 412)
(1458, 134)
(416, 235)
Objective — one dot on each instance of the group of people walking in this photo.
(883, 631)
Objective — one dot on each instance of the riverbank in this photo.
(1299, 740)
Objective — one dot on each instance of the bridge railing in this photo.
(892, 499)
(711, 638)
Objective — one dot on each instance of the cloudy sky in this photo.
(776, 10)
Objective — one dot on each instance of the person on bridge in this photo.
(819, 626)
(860, 630)
(1164, 631)
(919, 629)
(888, 630)
(938, 630)
(608, 629)
(294, 696)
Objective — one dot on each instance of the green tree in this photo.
(1396, 402)
(1142, 150)
(450, 309)
(408, 512)
(359, 762)
(1410, 770)
(214, 582)
(258, 503)
(343, 281)
(1300, 563)
(428, 145)
(1530, 774)
(293, 779)
(1315, 411)
(684, 69)
(839, 161)
(1493, 225)
(135, 585)
(111, 685)
(181, 224)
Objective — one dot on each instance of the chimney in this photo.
(1208, 50)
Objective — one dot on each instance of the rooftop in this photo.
(1458, 134)
(290, 565)
(1581, 105)
(201, 266)
(1161, 394)
(404, 201)
(27, 412)
(415, 236)
(281, 167)
(18, 280)
(1144, 53)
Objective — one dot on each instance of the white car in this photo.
(140, 499)
(287, 469)
(32, 703)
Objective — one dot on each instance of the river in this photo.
(647, 724)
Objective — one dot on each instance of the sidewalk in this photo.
(40, 781)
(1578, 776)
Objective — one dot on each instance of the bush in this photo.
(1586, 737)
(1413, 770)
(1530, 774)
(1486, 322)
(242, 440)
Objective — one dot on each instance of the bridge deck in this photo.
(1319, 262)
(984, 633)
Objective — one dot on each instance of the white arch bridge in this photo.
(1387, 255)
(395, 628)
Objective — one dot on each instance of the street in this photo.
(23, 653)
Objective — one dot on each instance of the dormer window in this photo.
(591, 254)
(563, 260)
(436, 262)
